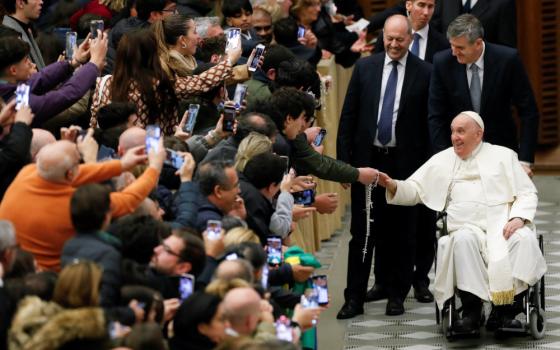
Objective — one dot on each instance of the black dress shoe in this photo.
(394, 307)
(466, 325)
(423, 294)
(377, 292)
(351, 308)
(494, 320)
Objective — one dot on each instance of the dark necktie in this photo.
(415, 49)
(467, 7)
(475, 88)
(385, 124)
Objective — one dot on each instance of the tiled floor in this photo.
(417, 329)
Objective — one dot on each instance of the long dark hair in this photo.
(137, 65)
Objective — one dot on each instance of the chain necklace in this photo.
(369, 220)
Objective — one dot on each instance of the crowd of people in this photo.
(147, 202)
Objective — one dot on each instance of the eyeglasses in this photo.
(168, 250)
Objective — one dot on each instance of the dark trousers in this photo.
(392, 233)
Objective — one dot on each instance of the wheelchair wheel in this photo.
(537, 323)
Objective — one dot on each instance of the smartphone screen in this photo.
(186, 286)
(214, 229)
(300, 32)
(319, 138)
(233, 36)
(96, 25)
(239, 96)
(309, 299)
(284, 329)
(71, 43)
(305, 197)
(229, 118)
(274, 250)
(191, 118)
(259, 51)
(321, 289)
(174, 159)
(153, 134)
(22, 96)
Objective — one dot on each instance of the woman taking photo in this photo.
(140, 78)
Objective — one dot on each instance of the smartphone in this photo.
(287, 160)
(153, 134)
(305, 197)
(71, 44)
(214, 229)
(274, 250)
(22, 96)
(239, 96)
(229, 118)
(309, 298)
(284, 329)
(233, 36)
(259, 51)
(191, 118)
(321, 289)
(173, 158)
(319, 138)
(96, 25)
(300, 32)
(186, 286)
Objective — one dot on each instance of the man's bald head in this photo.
(130, 138)
(230, 269)
(56, 160)
(242, 309)
(397, 36)
(41, 138)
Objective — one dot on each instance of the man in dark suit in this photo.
(384, 125)
(426, 41)
(498, 17)
(488, 79)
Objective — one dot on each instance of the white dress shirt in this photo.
(473, 2)
(387, 68)
(422, 41)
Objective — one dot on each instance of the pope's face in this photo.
(465, 135)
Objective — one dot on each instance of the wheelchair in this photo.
(534, 322)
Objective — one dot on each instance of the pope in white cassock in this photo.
(491, 252)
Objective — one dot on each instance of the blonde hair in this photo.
(298, 5)
(220, 287)
(252, 144)
(240, 234)
(78, 285)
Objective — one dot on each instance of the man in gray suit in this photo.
(20, 16)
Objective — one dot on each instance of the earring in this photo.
(184, 46)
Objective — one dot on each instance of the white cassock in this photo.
(485, 191)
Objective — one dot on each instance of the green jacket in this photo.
(307, 161)
(256, 90)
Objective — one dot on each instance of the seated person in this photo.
(490, 203)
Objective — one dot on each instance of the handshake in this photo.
(373, 176)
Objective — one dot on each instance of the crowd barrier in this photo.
(316, 228)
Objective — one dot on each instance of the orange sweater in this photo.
(40, 209)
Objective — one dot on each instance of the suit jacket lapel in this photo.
(480, 8)
(460, 74)
(409, 77)
(429, 46)
(373, 89)
(489, 77)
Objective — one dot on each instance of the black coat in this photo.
(505, 83)
(358, 121)
(14, 154)
(498, 17)
(259, 209)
